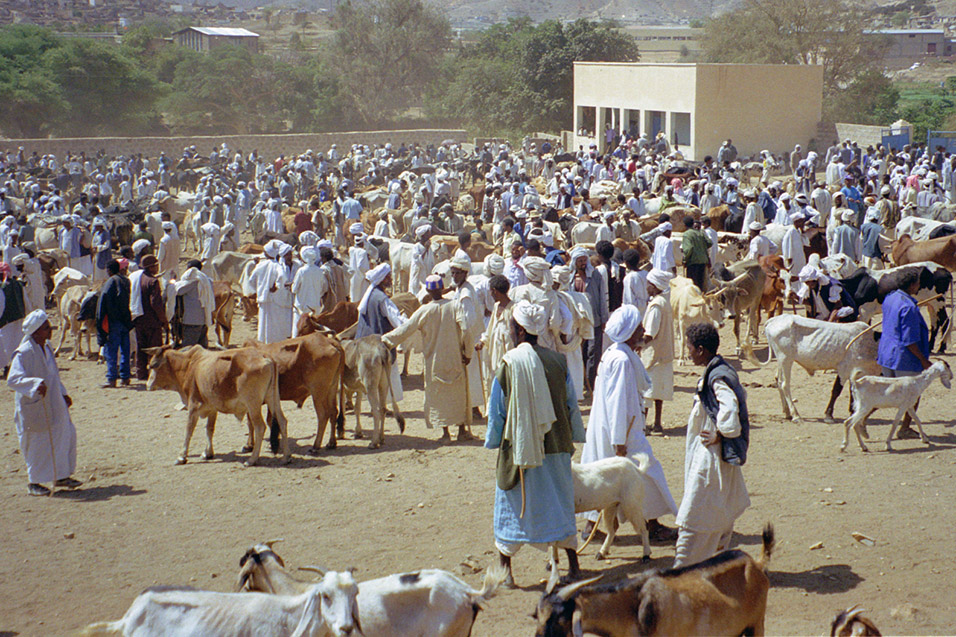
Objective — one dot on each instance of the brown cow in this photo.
(771, 301)
(311, 365)
(639, 245)
(237, 382)
(941, 251)
(478, 250)
(338, 319)
(718, 216)
(250, 248)
(225, 308)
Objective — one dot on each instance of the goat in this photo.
(724, 595)
(610, 485)
(426, 602)
(851, 623)
(323, 609)
(874, 392)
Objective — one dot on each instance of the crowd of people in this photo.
(524, 337)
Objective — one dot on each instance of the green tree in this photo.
(30, 98)
(386, 53)
(871, 98)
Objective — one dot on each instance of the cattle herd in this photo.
(559, 200)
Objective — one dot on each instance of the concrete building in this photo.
(697, 106)
(206, 38)
(911, 45)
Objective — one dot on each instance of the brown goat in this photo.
(851, 623)
(724, 595)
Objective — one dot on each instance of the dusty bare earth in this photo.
(139, 520)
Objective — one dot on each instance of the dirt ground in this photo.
(139, 520)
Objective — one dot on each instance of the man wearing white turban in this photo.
(533, 421)
(658, 352)
(32, 277)
(210, 234)
(577, 325)
(496, 339)
(377, 314)
(540, 290)
(41, 412)
(445, 360)
(422, 262)
(494, 264)
(663, 256)
(359, 263)
(170, 251)
(469, 314)
(271, 281)
(309, 285)
(846, 238)
(616, 426)
(229, 239)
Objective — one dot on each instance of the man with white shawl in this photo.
(170, 249)
(658, 352)
(470, 316)
(718, 435)
(423, 261)
(270, 281)
(309, 285)
(32, 278)
(444, 359)
(211, 234)
(577, 325)
(540, 290)
(616, 426)
(377, 314)
(41, 412)
(663, 256)
(496, 339)
(199, 302)
(359, 262)
(533, 421)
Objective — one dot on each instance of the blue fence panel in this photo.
(896, 140)
(946, 139)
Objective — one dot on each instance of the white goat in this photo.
(325, 609)
(612, 485)
(874, 392)
(426, 602)
(852, 623)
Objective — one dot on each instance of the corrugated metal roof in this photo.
(911, 31)
(225, 31)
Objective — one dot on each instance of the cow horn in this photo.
(271, 542)
(314, 569)
(565, 593)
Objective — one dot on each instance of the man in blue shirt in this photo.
(904, 344)
(854, 200)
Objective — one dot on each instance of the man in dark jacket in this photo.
(151, 324)
(113, 323)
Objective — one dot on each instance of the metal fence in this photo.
(896, 138)
(946, 139)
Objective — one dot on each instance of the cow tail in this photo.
(275, 411)
(340, 417)
(389, 356)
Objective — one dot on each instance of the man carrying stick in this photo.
(533, 419)
(47, 435)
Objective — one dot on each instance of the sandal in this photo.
(37, 489)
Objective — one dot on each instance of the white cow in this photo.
(816, 345)
(326, 609)
(690, 306)
(918, 228)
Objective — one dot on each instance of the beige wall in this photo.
(759, 106)
(269, 146)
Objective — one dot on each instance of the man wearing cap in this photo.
(46, 432)
(445, 359)
(113, 324)
(359, 262)
(760, 246)
(606, 231)
(870, 240)
(616, 425)
(170, 250)
(334, 275)
(309, 285)
(377, 314)
(147, 311)
(588, 281)
(889, 210)
(469, 313)
(846, 238)
(271, 281)
(794, 257)
(533, 421)
(422, 261)
(70, 237)
(658, 351)
(539, 290)
(663, 256)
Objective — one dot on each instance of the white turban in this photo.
(622, 323)
(20, 260)
(798, 216)
(324, 243)
(308, 254)
(536, 269)
(756, 226)
(272, 248)
(547, 239)
(494, 264)
(609, 215)
(664, 227)
(562, 274)
(284, 248)
(848, 215)
(422, 230)
(33, 322)
(530, 316)
(873, 214)
(659, 279)
(461, 262)
(169, 226)
(356, 228)
(578, 252)
(308, 238)
(139, 245)
(810, 273)
(377, 274)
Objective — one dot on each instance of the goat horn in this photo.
(314, 569)
(565, 593)
(271, 542)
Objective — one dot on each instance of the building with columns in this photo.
(698, 106)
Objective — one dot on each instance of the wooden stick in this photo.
(593, 531)
(521, 478)
(49, 432)
(876, 325)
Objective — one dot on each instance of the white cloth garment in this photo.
(41, 419)
(275, 305)
(663, 257)
(531, 407)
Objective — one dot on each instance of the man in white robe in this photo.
(47, 435)
(445, 360)
(469, 315)
(635, 282)
(580, 325)
(496, 339)
(271, 282)
(170, 250)
(718, 433)
(32, 277)
(423, 260)
(308, 287)
(663, 257)
(539, 291)
(211, 234)
(616, 426)
(359, 263)
(658, 351)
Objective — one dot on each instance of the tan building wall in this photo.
(699, 105)
(269, 146)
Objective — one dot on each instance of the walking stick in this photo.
(49, 432)
(876, 325)
(593, 531)
(481, 377)
(521, 477)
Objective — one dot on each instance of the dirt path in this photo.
(139, 520)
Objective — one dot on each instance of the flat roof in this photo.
(685, 64)
(911, 31)
(225, 31)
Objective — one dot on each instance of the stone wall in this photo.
(269, 146)
(861, 134)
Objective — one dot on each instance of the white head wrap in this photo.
(494, 264)
(308, 254)
(756, 226)
(356, 228)
(537, 270)
(271, 248)
(609, 214)
(461, 262)
(324, 243)
(659, 279)
(622, 323)
(33, 321)
(578, 252)
(664, 227)
(139, 245)
(530, 316)
(169, 226)
(377, 274)
(422, 230)
(308, 238)
(872, 214)
(284, 248)
(798, 216)
(847, 216)
(562, 274)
